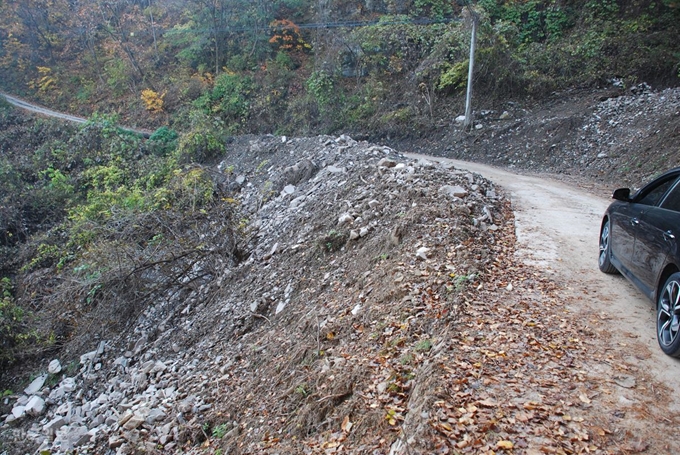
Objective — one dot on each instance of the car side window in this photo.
(654, 195)
(672, 201)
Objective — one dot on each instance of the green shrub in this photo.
(163, 141)
(13, 330)
(229, 98)
(199, 146)
(437, 9)
(321, 86)
(453, 78)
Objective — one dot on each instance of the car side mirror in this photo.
(622, 194)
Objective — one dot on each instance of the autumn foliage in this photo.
(153, 101)
(287, 36)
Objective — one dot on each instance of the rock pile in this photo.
(326, 223)
(615, 136)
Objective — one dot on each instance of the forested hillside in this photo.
(220, 286)
(374, 67)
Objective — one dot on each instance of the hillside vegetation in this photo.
(85, 210)
(375, 68)
(275, 264)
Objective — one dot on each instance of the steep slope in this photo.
(608, 137)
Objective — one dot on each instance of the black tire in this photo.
(604, 260)
(668, 316)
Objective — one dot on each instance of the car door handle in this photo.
(634, 221)
(668, 236)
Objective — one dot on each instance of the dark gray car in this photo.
(638, 239)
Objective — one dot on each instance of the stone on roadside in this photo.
(345, 218)
(453, 191)
(353, 235)
(386, 162)
(51, 427)
(70, 437)
(35, 406)
(35, 386)
(133, 422)
(54, 367)
(18, 411)
(422, 253)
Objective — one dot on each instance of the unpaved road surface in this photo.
(40, 110)
(557, 227)
(60, 115)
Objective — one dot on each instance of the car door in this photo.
(656, 238)
(623, 232)
(625, 224)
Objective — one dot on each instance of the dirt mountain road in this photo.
(557, 228)
(25, 105)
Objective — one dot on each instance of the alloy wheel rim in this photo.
(604, 243)
(668, 322)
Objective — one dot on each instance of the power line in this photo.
(307, 26)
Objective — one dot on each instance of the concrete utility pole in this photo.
(467, 124)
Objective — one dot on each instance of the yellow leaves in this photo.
(286, 35)
(45, 81)
(393, 417)
(505, 445)
(152, 100)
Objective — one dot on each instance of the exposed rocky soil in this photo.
(380, 309)
(603, 138)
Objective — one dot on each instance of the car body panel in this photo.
(642, 240)
(624, 229)
(653, 245)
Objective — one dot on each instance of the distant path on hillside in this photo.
(557, 227)
(60, 115)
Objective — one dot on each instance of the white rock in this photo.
(54, 367)
(288, 189)
(373, 204)
(35, 406)
(70, 437)
(505, 115)
(345, 218)
(421, 253)
(53, 425)
(155, 415)
(460, 119)
(453, 191)
(87, 357)
(281, 305)
(18, 411)
(353, 235)
(133, 422)
(35, 386)
(363, 232)
(478, 126)
(335, 170)
(68, 384)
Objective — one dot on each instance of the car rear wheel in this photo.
(605, 249)
(668, 316)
